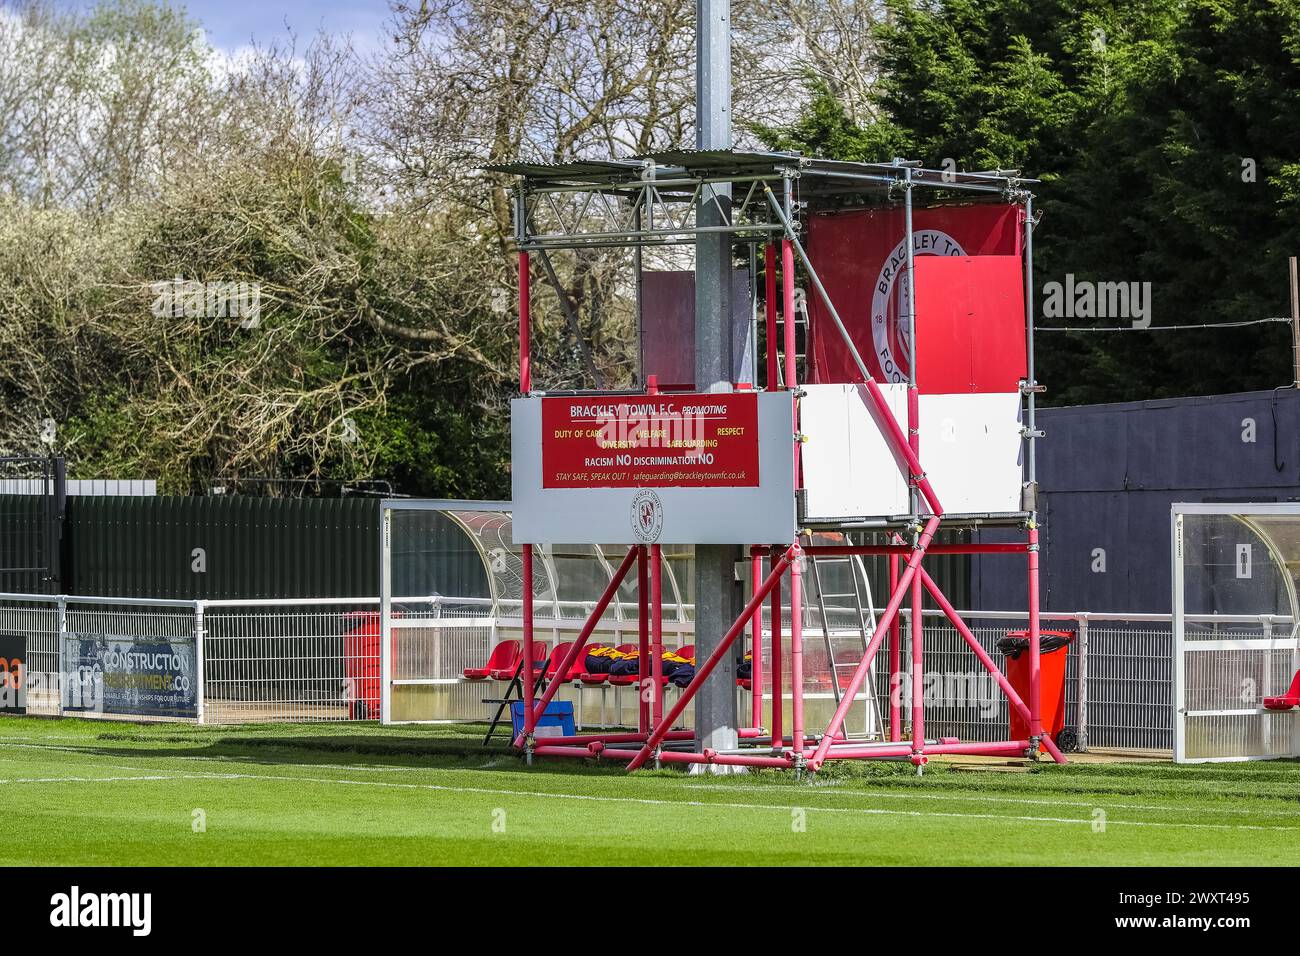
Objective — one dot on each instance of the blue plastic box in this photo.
(557, 721)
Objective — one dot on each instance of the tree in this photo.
(1141, 119)
(261, 195)
(137, 162)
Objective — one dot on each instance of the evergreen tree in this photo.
(1164, 132)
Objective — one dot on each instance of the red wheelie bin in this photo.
(1053, 650)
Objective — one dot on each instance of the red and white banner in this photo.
(861, 257)
(651, 441)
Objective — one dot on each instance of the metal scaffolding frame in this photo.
(652, 200)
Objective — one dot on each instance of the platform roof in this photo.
(816, 175)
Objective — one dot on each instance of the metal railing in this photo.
(1118, 679)
(1224, 670)
(302, 660)
(319, 659)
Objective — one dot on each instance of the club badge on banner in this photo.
(862, 261)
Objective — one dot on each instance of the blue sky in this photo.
(231, 24)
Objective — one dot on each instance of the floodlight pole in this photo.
(526, 555)
(716, 719)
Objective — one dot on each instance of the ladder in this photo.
(865, 617)
(801, 342)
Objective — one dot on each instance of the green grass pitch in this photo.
(92, 793)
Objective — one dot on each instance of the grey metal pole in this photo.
(63, 684)
(910, 254)
(1031, 469)
(913, 402)
(715, 565)
(638, 265)
(713, 326)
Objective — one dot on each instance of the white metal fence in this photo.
(320, 659)
(300, 660)
(1238, 561)
(1224, 668)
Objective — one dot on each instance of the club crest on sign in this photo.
(647, 516)
(890, 306)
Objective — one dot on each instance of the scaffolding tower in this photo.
(764, 201)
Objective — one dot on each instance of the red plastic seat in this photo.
(1292, 698)
(505, 656)
(540, 656)
(576, 669)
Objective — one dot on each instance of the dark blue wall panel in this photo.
(1108, 475)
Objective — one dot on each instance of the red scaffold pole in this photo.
(583, 636)
(525, 356)
(787, 298)
(1000, 678)
(702, 673)
(791, 346)
(882, 627)
(778, 676)
(530, 718)
(643, 635)
(796, 644)
(895, 662)
(918, 621)
(756, 643)
(769, 275)
(1035, 671)
(656, 636)
(918, 671)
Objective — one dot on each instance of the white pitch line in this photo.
(1025, 801)
(163, 754)
(819, 790)
(88, 779)
(202, 775)
(649, 801)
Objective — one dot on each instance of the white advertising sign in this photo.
(640, 469)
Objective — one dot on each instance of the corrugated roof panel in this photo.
(578, 169)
